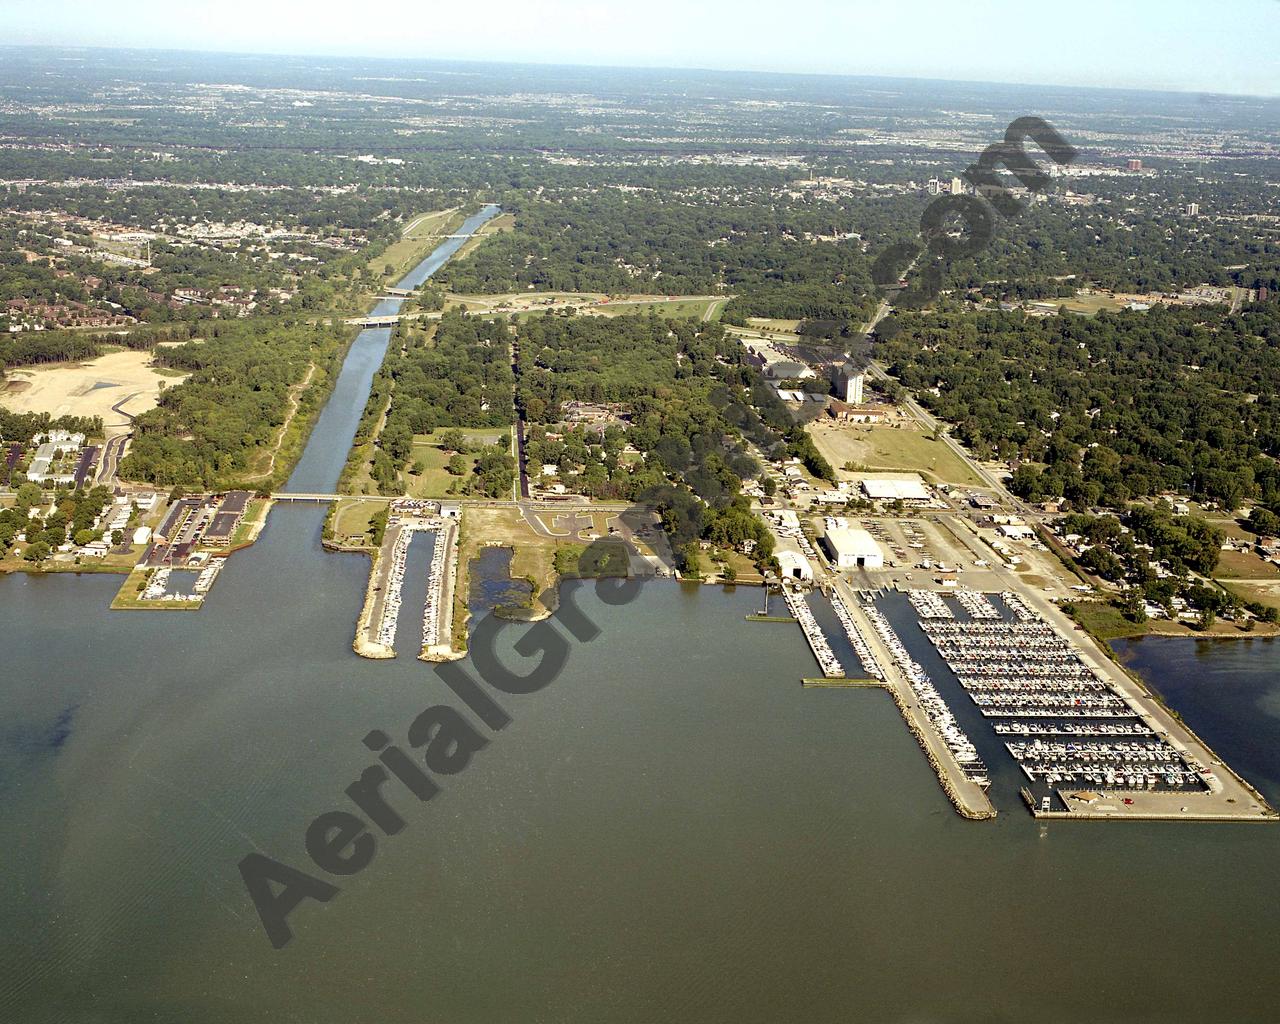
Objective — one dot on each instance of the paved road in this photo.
(932, 423)
(109, 465)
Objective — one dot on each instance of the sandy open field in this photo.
(121, 379)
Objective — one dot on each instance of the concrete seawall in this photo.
(362, 645)
(968, 798)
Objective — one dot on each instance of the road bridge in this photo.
(326, 498)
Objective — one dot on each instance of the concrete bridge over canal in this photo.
(326, 498)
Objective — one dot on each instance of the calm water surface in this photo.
(1227, 690)
(672, 830)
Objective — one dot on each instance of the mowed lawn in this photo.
(351, 519)
(435, 479)
(902, 449)
(1264, 593)
(1245, 565)
(1089, 304)
(771, 324)
(670, 308)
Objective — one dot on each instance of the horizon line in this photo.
(513, 62)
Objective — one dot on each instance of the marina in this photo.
(926, 695)
(856, 638)
(205, 581)
(930, 605)
(975, 605)
(156, 586)
(376, 633)
(827, 660)
(437, 609)
(1062, 723)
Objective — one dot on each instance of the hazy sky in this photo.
(1158, 44)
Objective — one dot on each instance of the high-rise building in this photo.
(1192, 209)
(849, 385)
(957, 186)
(935, 187)
(1135, 165)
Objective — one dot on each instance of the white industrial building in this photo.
(895, 489)
(793, 563)
(851, 547)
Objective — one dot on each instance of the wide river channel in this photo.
(672, 830)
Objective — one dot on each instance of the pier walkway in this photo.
(827, 659)
(969, 798)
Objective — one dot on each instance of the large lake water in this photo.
(673, 829)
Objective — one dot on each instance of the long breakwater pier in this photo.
(950, 753)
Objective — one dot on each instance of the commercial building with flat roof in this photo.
(224, 524)
(895, 489)
(852, 548)
(235, 502)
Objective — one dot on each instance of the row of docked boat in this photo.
(927, 696)
(1101, 728)
(1075, 727)
(930, 605)
(976, 605)
(1112, 766)
(204, 582)
(386, 631)
(859, 642)
(831, 667)
(432, 612)
(156, 586)
(1017, 606)
(1148, 751)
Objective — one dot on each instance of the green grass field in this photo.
(886, 448)
(1244, 565)
(1105, 621)
(252, 521)
(1088, 304)
(674, 308)
(435, 479)
(421, 236)
(352, 518)
(767, 324)
(1264, 593)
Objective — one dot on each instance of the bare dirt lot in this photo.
(93, 388)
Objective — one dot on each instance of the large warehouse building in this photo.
(904, 488)
(852, 548)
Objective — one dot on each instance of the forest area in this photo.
(207, 431)
(1109, 409)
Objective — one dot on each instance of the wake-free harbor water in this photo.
(672, 830)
